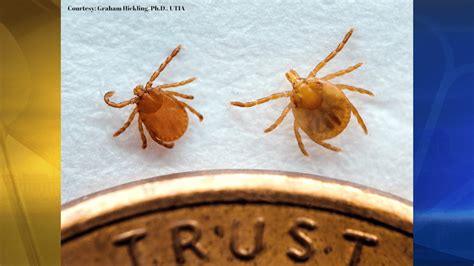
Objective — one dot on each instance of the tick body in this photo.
(320, 108)
(159, 111)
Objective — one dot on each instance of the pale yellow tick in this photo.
(320, 107)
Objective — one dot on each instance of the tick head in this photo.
(139, 90)
(307, 93)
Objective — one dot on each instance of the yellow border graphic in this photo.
(29, 132)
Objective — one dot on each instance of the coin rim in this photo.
(234, 186)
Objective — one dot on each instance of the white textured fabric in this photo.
(239, 50)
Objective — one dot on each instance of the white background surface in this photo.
(239, 50)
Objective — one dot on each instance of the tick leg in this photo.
(341, 72)
(159, 141)
(192, 110)
(117, 105)
(279, 120)
(162, 143)
(177, 94)
(298, 139)
(127, 124)
(262, 100)
(162, 67)
(176, 84)
(331, 55)
(359, 118)
(142, 133)
(352, 88)
(327, 145)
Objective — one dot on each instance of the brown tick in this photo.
(164, 116)
(320, 107)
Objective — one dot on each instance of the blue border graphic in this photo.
(444, 132)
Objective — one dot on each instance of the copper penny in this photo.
(237, 218)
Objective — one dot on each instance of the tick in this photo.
(158, 108)
(320, 107)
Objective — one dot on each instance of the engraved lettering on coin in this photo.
(247, 253)
(180, 243)
(215, 221)
(299, 236)
(361, 239)
(129, 239)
